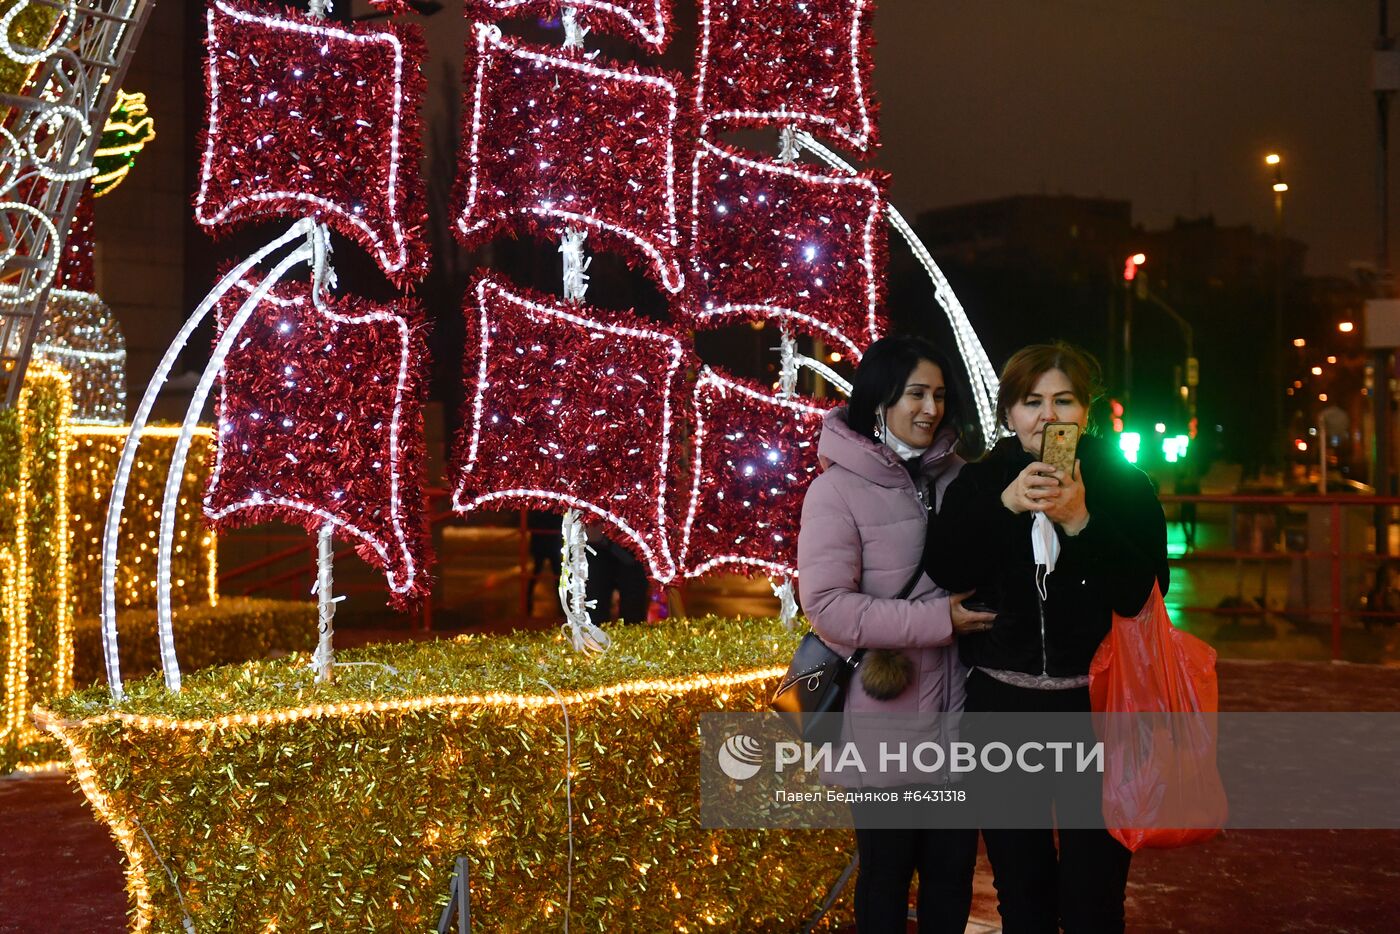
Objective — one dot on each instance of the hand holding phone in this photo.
(1058, 443)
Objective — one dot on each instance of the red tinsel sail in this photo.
(805, 63)
(312, 118)
(320, 419)
(553, 141)
(568, 407)
(787, 243)
(754, 456)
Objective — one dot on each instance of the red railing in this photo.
(236, 578)
(1334, 554)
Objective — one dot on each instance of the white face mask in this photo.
(902, 451)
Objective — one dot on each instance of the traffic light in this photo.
(1130, 442)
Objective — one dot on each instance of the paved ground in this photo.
(62, 873)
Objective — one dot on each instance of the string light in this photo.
(344, 165)
(755, 455)
(81, 335)
(93, 463)
(243, 744)
(34, 579)
(116, 503)
(546, 142)
(760, 259)
(69, 19)
(129, 128)
(563, 409)
(781, 65)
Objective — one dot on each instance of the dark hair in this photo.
(883, 373)
(1028, 364)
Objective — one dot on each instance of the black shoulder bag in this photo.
(812, 694)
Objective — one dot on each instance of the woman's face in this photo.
(914, 417)
(1051, 399)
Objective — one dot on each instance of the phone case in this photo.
(1058, 444)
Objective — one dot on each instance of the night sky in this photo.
(1171, 104)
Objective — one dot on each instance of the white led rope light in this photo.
(709, 377)
(133, 440)
(53, 115)
(68, 11)
(9, 250)
(858, 138)
(826, 373)
(175, 475)
(488, 40)
(11, 156)
(872, 323)
(662, 566)
(394, 259)
(652, 33)
(981, 374)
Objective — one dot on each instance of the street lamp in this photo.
(1275, 161)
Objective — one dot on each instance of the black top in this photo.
(978, 544)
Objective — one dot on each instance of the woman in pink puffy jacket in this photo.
(887, 458)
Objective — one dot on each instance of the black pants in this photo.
(1081, 887)
(612, 569)
(944, 860)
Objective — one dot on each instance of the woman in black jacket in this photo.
(1102, 545)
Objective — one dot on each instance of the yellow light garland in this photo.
(282, 804)
(34, 519)
(195, 570)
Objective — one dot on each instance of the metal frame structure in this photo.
(47, 142)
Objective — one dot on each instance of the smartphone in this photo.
(1057, 445)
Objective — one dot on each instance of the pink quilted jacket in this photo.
(862, 536)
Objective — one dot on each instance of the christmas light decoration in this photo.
(805, 63)
(320, 422)
(555, 141)
(194, 564)
(645, 21)
(81, 335)
(779, 242)
(304, 229)
(755, 455)
(129, 128)
(352, 94)
(569, 406)
(36, 634)
(469, 739)
(30, 27)
(981, 374)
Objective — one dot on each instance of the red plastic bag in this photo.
(1158, 770)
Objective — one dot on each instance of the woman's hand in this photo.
(967, 621)
(1066, 508)
(1032, 490)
